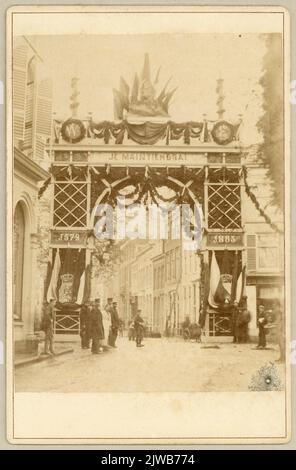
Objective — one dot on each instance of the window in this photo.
(173, 261)
(162, 276)
(194, 303)
(29, 110)
(196, 262)
(268, 251)
(178, 263)
(185, 300)
(263, 252)
(168, 264)
(251, 252)
(191, 257)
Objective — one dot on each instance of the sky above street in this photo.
(194, 61)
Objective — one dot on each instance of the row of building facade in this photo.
(32, 112)
(164, 279)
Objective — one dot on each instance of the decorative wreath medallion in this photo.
(73, 131)
(223, 133)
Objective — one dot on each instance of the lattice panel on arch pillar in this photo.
(224, 206)
(70, 204)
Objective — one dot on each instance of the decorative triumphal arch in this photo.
(199, 168)
(138, 155)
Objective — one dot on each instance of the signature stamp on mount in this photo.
(148, 183)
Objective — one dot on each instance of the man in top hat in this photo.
(139, 329)
(115, 324)
(96, 328)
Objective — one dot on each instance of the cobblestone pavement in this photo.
(166, 364)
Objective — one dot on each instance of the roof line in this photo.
(33, 48)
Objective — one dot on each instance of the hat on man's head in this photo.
(109, 298)
(115, 303)
(97, 299)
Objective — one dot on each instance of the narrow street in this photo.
(163, 365)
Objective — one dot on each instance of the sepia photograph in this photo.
(147, 210)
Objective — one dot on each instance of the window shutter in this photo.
(251, 253)
(43, 118)
(19, 93)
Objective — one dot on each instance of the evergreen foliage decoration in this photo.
(44, 187)
(271, 126)
(256, 203)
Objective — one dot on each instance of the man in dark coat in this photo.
(246, 317)
(96, 328)
(261, 323)
(115, 324)
(85, 326)
(239, 326)
(139, 329)
(48, 326)
(234, 321)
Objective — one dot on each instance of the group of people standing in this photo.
(95, 323)
(275, 325)
(242, 317)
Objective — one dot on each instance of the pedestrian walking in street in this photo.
(261, 323)
(48, 326)
(186, 328)
(139, 329)
(96, 328)
(115, 324)
(85, 326)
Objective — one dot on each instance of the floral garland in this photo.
(44, 187)
(149, 186)
(256, 203)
